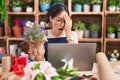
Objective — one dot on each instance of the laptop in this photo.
(82, 54)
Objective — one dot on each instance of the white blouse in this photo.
(74, 34)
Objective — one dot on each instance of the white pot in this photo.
(111, 8)
(80, 34)
(117, 8)
(16, 9)
(86, 8)
(96, 8)
(29, 9)
(111, 35)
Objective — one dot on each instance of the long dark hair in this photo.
(56, 9)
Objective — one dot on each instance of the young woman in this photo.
(61, 23)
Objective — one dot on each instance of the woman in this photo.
(61, 23)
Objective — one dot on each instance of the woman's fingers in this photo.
(31, 50)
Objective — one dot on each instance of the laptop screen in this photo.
(82, 53)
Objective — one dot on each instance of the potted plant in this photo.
(86, 31)
(118, 30)
(3, 9)
(118, 5)
(111, 5)
(28, 5)
(114, 55)
(77, 5)
(16, 27)
(45, 5)
(58, 1)
(96, 5)
(79, 27)
(86, 5)
(94, 29)
(16, 6)
(110, 32)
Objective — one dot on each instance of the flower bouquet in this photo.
(35, 36)
(43, 70)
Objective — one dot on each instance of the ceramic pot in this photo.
(17, 31)
(86, 34)
(29, 9)
(80, 34)
(111, 35)
(78, 8)
(94, 34)
(16, 9)
(111, 8)
(96, 8)
(44, 7)
(86, 8)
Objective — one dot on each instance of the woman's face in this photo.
(58, 23)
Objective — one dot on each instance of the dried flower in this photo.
(32, 32)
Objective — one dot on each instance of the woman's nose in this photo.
(63, 23)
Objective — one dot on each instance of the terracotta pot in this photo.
(17, 31)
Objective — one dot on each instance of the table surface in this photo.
(94, 71)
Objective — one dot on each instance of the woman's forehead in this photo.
(62, 14)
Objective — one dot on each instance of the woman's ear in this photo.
(50, 18)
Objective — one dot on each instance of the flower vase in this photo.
(38, 50)
(17, 31)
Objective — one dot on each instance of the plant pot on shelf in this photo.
(80, 33)
(86, 34)
(111, 35)
(78, 8)
(96, 8)
(111, 8)
(29, 9)
(17, 31)
(117, 8)
(94, 34)
(16, 9)
(86, 8)
(44, 7)
(118, 34)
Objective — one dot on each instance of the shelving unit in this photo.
(111, 18)
(92, 17)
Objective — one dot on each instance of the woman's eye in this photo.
(59, 20)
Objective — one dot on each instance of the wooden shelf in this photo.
(15, 39)
(42, 13)
(87, 13)
(90, 39)
(109, 12)
(3, 37)
(21, 13)
(112, 40)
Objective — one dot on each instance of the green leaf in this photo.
(40, 76)
(37, 66)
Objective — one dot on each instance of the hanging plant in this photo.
(3, 9)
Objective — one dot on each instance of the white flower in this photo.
(48, 70)
(68, 63)
(29, 24)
